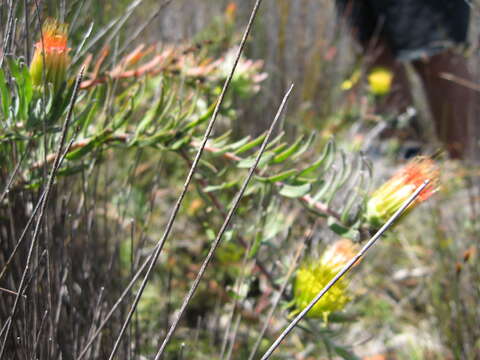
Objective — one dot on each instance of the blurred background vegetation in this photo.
(153, 73)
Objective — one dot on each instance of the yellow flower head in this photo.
(51, 55)
(313, 276)
(389, 197)
(380, 81)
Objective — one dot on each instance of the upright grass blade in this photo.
(345, 269)
(159, 246)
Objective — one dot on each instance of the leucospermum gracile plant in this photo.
(314, 275)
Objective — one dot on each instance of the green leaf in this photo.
(225, 185)
(346, 354)
(305, 146)
(336, 227)
(179, 143)
(288, 152)
(4, 94)
(222, 140)
(248, 162)
(279, 177)
(27, 85)
(231, 147)
(86, 116)
(23, 89)
(257, 243)
(200, 120)
(122, 116)
(71, 170)
(161, 137)
(149, 117)
(295, 191)
(239, 144)
(92, 144)
(325, 159)
(342, 230)
(251, 144)
(275, 141)
(279, 148)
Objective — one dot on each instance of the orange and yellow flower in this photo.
(313, 276)
(231, 12)
(50, 60)
(387, 199)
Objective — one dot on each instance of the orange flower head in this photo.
(51, 55)
(387, 199)
(230, 12)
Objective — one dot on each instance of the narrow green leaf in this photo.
(84, 115)
(200, 120)
(279, 177)
(248, 162)
(305, 146)
(71, 170)
(27, 85)
(275, 141)
(179, 143)
(238, 144)
(230, 147)
(123, 115)
(345, 354)
(223, 139)
(5, 94)
(225, 185)
(92, 144)
(295, 191)
(326, 186)
(325, 159)
(257, 243)
(149, 117)
(251, 144)
(336, 227)
(288, 152)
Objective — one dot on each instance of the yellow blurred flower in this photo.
(313, 276)
(351, 81)
(50, 58)
(389, 197)
(380, 81)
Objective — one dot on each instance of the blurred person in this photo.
(424, 33)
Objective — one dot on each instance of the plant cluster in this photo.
(95, 141)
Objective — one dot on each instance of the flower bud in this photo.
(389, 197)
(50, 59)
